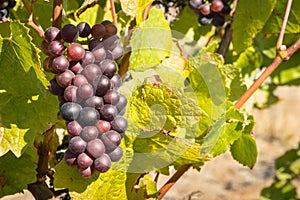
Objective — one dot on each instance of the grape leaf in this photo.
(24, 101)
(108, 185)
(12, 139)
(16, 173)
(151, 42)
(249, 18)
(92, 15)
(43, 12)
(273, 25)
(135, 8)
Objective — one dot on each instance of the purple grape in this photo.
(84, 161)
(94, 43)
(88, 58)
(117, 52)
(69, 33)
(99, 53)
(218, 19)
(84, 29)
(103, 126)
(75, 67)
(95, 148)
(70, 94)
(74, 128)
(102, 85)
(111, 42)
(111, 97)
(116, 81)
(88, 116)
(111, 29)
(64, 79)
(56, 48)
(119, 124)
(55, 89)
(75, 51)
(52, 33)
(116, 154)
(195, 4)
(111, 140)
(121, 105)
(89, 133)
(79, 80)
(205, 9)
(216, 5)
(45, 48)
(98, 31)
(87, 172)
(70, 111)
(106, 22)
(70, 158)
(103, 163)
(108, 112)
(85, 91)
(77, 145)
(95, 102)
(108, 68)
(91, 71)
(60, 63)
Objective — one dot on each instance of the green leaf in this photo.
(249, 18)
(43, 12)
(135, 8)
(12, 139)
(244, 150)
(273, 25)
(92, 15)
(16, 173)
(108, 185)
(151, 42)
(24, 100)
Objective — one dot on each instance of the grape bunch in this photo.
(86, 83)
(171, 8)
(5, 6)
(211, 11)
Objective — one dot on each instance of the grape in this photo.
(119, 124)
(12, 4)
(99, 53)
(70, 111)
(102, 85)
(74, 128)
(84, 29)
(79, 79)
(108, 67)
(216, 5)
(116, 81)
(60, 63)
(106, 22)
(117, 52)
(88, 116)
(103, 163)
(195, 4)
(3, 14)
(75, 67)
(111, 97)
(226, 9)
(56, 48)
(4, 3)
(64, 79)
(45, 48)
(55, 89)
(205, 20)
(47, 65)
(103, 126)
(95, 148)
(93, 43)
(116, 154)
(89, 133)
(111, 29)
(88, 58)
(52, 33)
(205, 9)
(122, 103)
(75, 52)
(70, 94)
(77, 145)
(87, 172)
(95, 102)
(109, 55)
(98, 31)
(85, 91)
(91, 71)
(84, 161)
(70, 158)
(69, 33)
(218, 20)
(111, 140)
(111, 42)
(108, 112)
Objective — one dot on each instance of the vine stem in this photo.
(147, 10)
(276, 62)
(113, 12)
(57, 13)
(284, 22)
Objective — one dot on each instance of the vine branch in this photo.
(284, 22)
(57, 13)
(113, 12)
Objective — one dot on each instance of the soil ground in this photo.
(276, 131)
